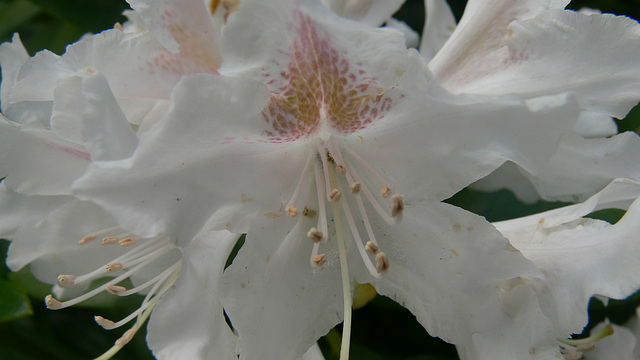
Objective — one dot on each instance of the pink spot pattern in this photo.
(320, 85)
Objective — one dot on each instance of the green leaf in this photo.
(611, 216)
(92, 16)
(14, 303)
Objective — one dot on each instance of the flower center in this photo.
(141, 254)
(320, 89)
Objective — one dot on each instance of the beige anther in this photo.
(117, 26)
(385, 192)
(129, 241)
(110, 240)
(125, 338)
(355, 188)
(382, 262)
(52, 303)
(315, 234)
(105, 323)
(398, 204)
(115, 266)
(87, 238)
(115, 289)
(371, 248)
(319, 260)
(66, 280)
(292, 210)
(335, 195)
(340, 169)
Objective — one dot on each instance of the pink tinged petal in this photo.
(446, 266)
(371, 12)
(271, 285)
(184, 28)
(439, 25)
(516, 59)
(581, 257)
(188, 322)
(36, 162)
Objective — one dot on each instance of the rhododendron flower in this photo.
(532, 48)
(331, 146)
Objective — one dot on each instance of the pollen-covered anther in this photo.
(340, 169)
(292, 210)
(66, 280)
(398, 204)
(371, 248)
(315, 234)
(109, 240)
(355, 187)
(385, 191)
(382, 262)
(105, 323)
(335, 195)
(52, 303)
(114, 266)
(87, 238)
(129, 241)
(319, 260)
(115, 289)
(125, 338)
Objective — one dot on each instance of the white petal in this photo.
(411, 36)
(271, 285)
(592, 124)
(188, 323)
(445, 266)
(371, 12)
(36, 162)
(438, 27)
(12, 56)
(580, 257)
(537, 55)
(18, 210)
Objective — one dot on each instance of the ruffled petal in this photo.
(581, 257)
(438, 27)
(271, 285)
(445, 266)
(499, 56)
(188, 323)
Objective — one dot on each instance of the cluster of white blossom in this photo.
(144, 152)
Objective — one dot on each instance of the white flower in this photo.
(320, 130)
(532, 48)
(579, 258)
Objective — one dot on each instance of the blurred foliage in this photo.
(381, 330)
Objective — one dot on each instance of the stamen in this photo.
(115, 289)
(318, 260)
(357, 239)
(372, 248)
(114, 266)
(335, 195)
(340, 169)
(160, 277)
(325, 167)
(292, 210)
(110, 240)
(129, 241)
(385, 191)
(52, 303)
(66, 280)
(126, 337)
(372, 200)
(366, 164)
(398, 205)
(105, 323)
(322, 218)
(354, 188)
(291, 204)
(315, 234)
(382, 262)
(92, 236)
